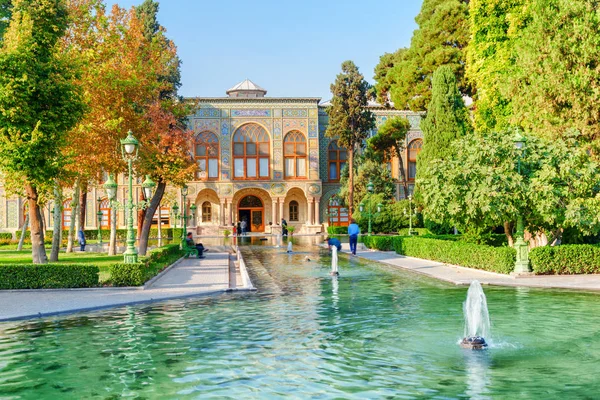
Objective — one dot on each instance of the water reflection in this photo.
(477, 366)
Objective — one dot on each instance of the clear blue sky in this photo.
(292, 49)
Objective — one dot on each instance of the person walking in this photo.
(353, 232)
(244, 227)
(81, 239)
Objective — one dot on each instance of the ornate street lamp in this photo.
(148, 187)
(370, 189)
(99, 214)
(175, 210)
(193, 208)
(111, 188)
(129, 151)
(184, 192)
(522, 248)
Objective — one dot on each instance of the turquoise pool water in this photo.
(375, 332)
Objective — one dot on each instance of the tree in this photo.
(556, 85)
(446, 120)
(390, 140)
(349, 119)
(5, 14)
(441, 39)
(383, 79)
(491, 59)
(39, 102)
(368, 171)
(480, 187)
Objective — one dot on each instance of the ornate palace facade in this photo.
(259, 158)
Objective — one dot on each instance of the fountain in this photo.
(477, 318)
(278, 241)
(289, 250)
(334, 262)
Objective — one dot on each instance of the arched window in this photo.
(206, 212)
(293, 210)
(294, 152)
(337, 160)
(66, 220)
(106, 214)
(251, 152)
(413, 149)
(207, 156)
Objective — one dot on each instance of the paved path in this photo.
(189, 277)
(464, 276)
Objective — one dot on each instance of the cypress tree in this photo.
(349, 119)
(446, 120)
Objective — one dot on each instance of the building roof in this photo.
(246, 85)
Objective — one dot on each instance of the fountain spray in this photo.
(477, 318)
(334, 262)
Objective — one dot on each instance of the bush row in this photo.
(149, 266)
(6, 235)
(92, 234)
(565, 259)
(337, 230)
(48, 276)
(495, 259)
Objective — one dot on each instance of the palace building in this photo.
(259, 158)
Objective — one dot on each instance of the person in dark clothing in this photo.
(190, 242)
(239, 228)
(334, 242)
(284, 230)
(81, 239)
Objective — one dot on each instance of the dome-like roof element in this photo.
(246, 88)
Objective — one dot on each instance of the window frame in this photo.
(251, 136)
(211, 141)
(414, 147)
(295, 139)
(294, 215)
(204, 212)
(335, 147)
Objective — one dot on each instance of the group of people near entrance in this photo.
(353, 232)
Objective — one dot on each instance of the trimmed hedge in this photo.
(419, 231)
(337, 230)
(48, 276)
(565, 259)
(92, 234)
(6, 236)
(495, 259)
(148, 267)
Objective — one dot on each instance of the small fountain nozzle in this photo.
(473, 343)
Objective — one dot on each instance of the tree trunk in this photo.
(159, 227)
(402, 173)
(508, 232)
(57, 228)
(147, 223)
(38, 251)
(350, 181)
(23, 232)
(72, 224)
(141, 215)
(82, 205)
(112, 246)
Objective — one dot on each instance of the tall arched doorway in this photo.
(252, 210)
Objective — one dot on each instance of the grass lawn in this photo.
(101, 260)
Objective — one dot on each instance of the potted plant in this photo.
(226, 233)
(291, 230)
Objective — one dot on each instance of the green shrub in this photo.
(438, 229)
(48, 276)
(6, 236)
(337, 230)
(383, 243)
(419, 231)
(495, 259)
(148, 267)
(565, 259)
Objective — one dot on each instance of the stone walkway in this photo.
(464, 276)
(187, 278)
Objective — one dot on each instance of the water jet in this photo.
(477, 319)
(334, 262)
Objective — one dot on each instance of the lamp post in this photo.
(410, 214)
(193, 209)
(184, 192)
(370, 189)
(175, 210)
(522, 248)
(129, 151)
(99, 215)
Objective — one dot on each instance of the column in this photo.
(228, 213)
(310, 211)
(317, 211)
(280, 210)
(223, 211)
(274, 211)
